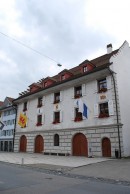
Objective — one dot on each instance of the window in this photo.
(63, 77)
(78, 115)
(78, 92)
(56, 117)
(56, 140)
(25, 106)
(85, 68)
(45, 84)
(102, 85)
(39, 120)
(56, 97)
(103, 108)
(39, 102)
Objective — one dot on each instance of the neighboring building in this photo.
(54, 107)
(8, 115)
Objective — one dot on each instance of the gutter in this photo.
(117, 115)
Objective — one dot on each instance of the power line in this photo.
(30, 48)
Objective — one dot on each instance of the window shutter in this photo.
(73, 114)
(108, 82)
(61, 95)
(52, 98)
(52, 117)
(72, 92)
(95, 86)
(61, 116)
(96, 110)
(43, 100)
(43, 118)
(83, 89)
(111, 107)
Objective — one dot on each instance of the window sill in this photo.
(77, 96)
(24, 109)
(39, 106)
(56, 122)
(103, 90)
(103, 116)
(56, 101)
(39, 124)
(78, 119)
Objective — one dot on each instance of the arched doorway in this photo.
(23, 143)
(80, 145)
(39, 144)
(106, 147)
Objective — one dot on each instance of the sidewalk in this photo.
(35, 159)
(118, 169)
(113, 169)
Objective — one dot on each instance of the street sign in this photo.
(1, 125)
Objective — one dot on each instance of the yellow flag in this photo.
(22, 120)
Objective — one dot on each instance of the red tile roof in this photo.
(1, 103)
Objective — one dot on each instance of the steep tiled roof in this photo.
(76, 71)
(10, 99)
(103, 59)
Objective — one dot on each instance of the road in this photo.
(16, 179)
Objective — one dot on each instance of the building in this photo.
(7, 119)
(83, 111)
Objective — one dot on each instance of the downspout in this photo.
(117, 115)
(15, 107)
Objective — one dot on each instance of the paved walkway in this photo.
(28, 159)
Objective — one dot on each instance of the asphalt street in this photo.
(18, 179)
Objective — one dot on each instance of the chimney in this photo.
(109, 48)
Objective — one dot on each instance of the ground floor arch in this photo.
(79, 145)
(39, 144)
(23, 143)
(106, 147)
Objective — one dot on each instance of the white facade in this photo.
(121, 66)
(94, 128)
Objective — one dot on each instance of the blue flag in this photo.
(85, 110)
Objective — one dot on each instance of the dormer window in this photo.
(78, 92)
(85, 69)
(39, 102)
(63, 77)
(45, 84)
(25, 106)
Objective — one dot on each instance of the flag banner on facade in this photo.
(1, 125)
(82, 107)
(22, 120)
(76, 103)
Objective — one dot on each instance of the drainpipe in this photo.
(15, 107)
(117, 115)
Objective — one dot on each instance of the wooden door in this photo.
(23, 144)
(39, 144)
(106, 147)
(80, 145)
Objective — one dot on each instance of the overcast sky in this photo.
(67, 31)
